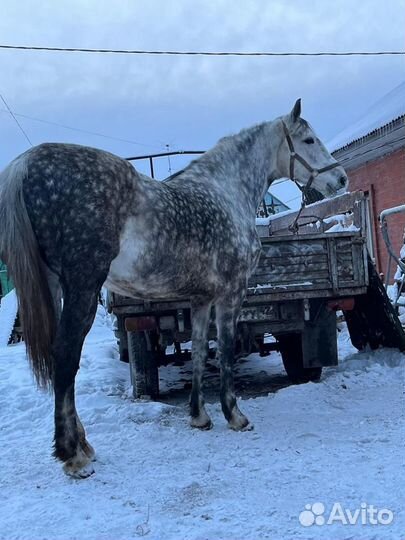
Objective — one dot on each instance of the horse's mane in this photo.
(244, 138)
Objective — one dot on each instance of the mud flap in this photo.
(319, 339)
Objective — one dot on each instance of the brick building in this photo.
(373, 154)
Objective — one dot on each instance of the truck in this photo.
(303, 277)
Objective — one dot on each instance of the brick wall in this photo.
(384, 179)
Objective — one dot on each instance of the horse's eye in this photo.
(309, 140)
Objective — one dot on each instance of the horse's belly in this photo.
(153, 268)
(158, 276)
(144, 270)
(121, 277)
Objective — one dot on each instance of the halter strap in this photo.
(313, 173)
(295, 156)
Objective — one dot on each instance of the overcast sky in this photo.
(189, 102)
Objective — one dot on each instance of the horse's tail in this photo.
(19, 249)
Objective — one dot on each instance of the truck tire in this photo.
(143, 368)
(291, 353)
(122, 339)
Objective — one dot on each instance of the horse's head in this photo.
(304, 158)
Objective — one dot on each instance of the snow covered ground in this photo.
(337, 441)
(8, 315)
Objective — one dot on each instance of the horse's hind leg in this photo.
(200, 317)
(84, 443)
(79, 308)
(227, 316)
(56, 293)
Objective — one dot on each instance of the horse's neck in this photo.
(252, 160)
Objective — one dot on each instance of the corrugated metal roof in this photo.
(386, 110)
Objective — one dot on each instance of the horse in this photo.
(75, 218)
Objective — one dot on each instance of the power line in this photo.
(200, 53)
(79, 129)
(15, 119)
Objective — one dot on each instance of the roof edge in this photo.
(375, 133)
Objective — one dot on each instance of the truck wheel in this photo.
(122, 339)
(291, 353)
(143, 367)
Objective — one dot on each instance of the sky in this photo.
(188, 103)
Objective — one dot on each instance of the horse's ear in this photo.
(296, 112)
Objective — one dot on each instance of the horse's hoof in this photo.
(80, 474)
(88, 450)
(203, 422)
(239, 422)
(79, 466)
(206, 427)
(249, 427)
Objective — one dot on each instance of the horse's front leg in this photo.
(200, 318)
(227, 314)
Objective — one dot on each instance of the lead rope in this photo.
(294, 227)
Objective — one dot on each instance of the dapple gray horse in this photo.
(73, 218)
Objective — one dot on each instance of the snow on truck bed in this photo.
(337, 441)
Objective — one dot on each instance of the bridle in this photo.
(294, 156)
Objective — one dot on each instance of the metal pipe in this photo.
(152, 173)
(390, 211)
(164, 154)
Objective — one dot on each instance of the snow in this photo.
(339, 227)
(344, 222)
(8, 314)
(263, 220)
(278, 286)
(388, 108)
(398, 274)
(340, 440)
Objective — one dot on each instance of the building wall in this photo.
(384, 180)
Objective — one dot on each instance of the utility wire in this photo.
(80, 130)
(201, 53)
(16, 121)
